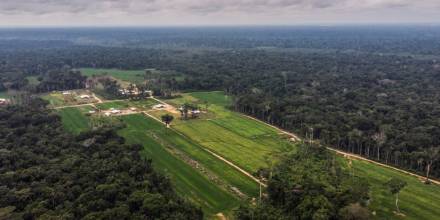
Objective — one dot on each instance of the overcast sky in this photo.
(214, 12)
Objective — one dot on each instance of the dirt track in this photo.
(357, 157)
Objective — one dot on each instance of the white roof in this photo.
(91, 111)
(84, 96)
(107, 114)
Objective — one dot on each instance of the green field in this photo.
(74, 119)
(417, 200)
(189, 183)
(141, 104)
(251, 145)
(133, 76)
(226, 129)
(54, 99)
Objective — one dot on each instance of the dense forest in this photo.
(372, 92)
(384, 107)
(46, 173)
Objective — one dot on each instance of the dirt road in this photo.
(354, 156)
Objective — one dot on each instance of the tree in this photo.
(354, 212)
(432, 155)
(167, 119)
(395, 185)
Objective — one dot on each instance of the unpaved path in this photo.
(235, 166)
(90, 104)
(350, 155)
(168, 107)
(73, 106)
(216, 155)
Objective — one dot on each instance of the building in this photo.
(84, 96)
(4, 101)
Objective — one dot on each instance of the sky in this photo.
(215, 12)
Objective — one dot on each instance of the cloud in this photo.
(197, 9)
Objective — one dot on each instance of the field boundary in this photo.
(215, 155)
(345, 154)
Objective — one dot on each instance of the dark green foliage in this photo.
(167, 118)
(62, 79)
(395, 185)
(48, 174)
(309, 184)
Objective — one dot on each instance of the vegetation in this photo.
(310, 184)
(396, 185)
(48, 174)
(167, 119)
(188, 181)
(74, 119)
(133, 76)
(370, 91)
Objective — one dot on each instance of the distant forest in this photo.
(369, 91)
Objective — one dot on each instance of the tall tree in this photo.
(395, 185)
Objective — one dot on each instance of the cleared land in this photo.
(141, 104)
(417, 200)
(57, 99)
(74, 119)
(233, 136)
(133, 76)
(188, 181)
(248, 143)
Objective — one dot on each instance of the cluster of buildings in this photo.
(135, 91)
(4, 101)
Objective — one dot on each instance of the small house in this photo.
(4, 101)
(84, 96)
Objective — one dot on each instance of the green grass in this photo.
(115, 104)
(189, 182)
(54, 99)
(249, 143)
(227, 173)
(74, 119)
(140, 104)
(417, 200)
(227, 130)
(133, 76)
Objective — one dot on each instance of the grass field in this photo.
(226, 129)
(133, 76)
(74, 119)
(189, 183)
(417, 200)
(54, 99)
(249, 143)
(141, 104)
